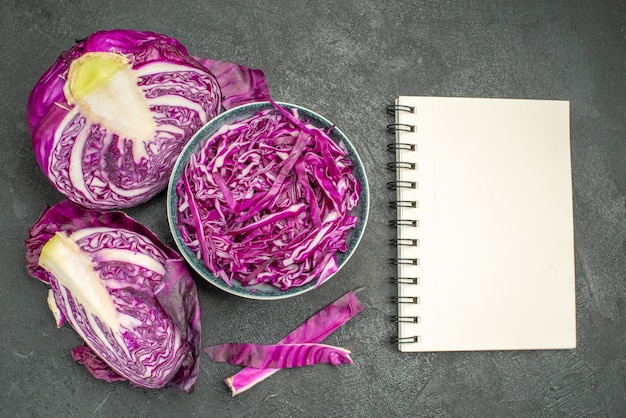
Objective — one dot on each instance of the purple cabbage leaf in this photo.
(278, 356)
(313, 330)
(109, 118)
(128, 296)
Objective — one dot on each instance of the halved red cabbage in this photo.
(268, 200)
(278, 356)
(125, 293)
(110, 117)
(313, 330)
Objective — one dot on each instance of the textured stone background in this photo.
(345, 60)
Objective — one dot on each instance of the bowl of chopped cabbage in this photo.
(268, 200)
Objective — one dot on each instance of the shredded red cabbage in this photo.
(268, 200)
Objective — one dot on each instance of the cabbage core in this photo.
(74, 269)
(105, 88)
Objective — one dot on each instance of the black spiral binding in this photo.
(395, 204)
(412, 339)
(406, 299)
(394, 146)
(411, 242)
(398, 184)
(411, 261)
(408, 319)
(405, 280)
(393, 108)
(397, 165)
(393, 127)
(404, 222)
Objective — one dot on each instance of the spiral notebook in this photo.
(484, 221)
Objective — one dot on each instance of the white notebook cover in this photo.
(495, 241)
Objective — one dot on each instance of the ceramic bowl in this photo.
(264, 291)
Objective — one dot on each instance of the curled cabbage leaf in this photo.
(278, 356)
(109, 118)
(313, 330)
(128, 296)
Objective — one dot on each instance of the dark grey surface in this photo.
(346, 60)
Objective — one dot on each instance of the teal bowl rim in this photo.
(264, 292)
